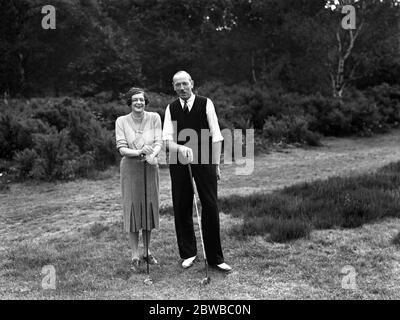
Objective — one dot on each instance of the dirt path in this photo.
(337, 157)
(43, 211)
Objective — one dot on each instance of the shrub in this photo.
(66, 140)
(275, 116)
(107, 113)
(13, 136)
(393, 169)
(275, 229)
(39, 170)
(396, 240)
(287, 230)
(387, 99)
(253, 226)
(364, 205)
(53, 150)
(345, 202)
(84, 165)
(57, 111)
(290, 129)
(25, 161)
(103, 148)
(291, 117)
(4, 181)
(358, 113)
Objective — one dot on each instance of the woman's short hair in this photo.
(132, 91)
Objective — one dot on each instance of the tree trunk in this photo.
(21, 70)
(5, 95)
(339, 81)
(253, 71)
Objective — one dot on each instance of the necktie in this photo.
(185, 107)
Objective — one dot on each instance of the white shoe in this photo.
(187, 263)
(224, 267)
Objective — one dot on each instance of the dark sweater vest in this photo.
(192, 129)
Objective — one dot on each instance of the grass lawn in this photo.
(76, 227)
(93, 266)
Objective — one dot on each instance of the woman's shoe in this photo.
(152, 260)
(135, 263)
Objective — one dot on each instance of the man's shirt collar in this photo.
(189, 101)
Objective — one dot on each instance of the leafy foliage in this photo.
(109, 45)
(56, 139)
(14, 136)
(66, 138)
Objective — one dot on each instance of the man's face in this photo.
(183, 86)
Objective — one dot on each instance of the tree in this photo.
(351, 58)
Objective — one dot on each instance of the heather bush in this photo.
(396, 240)
(290, 129)
(53, 151)
(67, 141)
(338, 202)
(276, 117)
(387, 99)
(25, 161)
(279, 115)
(4, 181)
(107, 113)
(14, 136)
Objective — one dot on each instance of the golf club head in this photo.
(148, 281)
(205, 281)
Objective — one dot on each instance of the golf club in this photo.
(148, 280)
(207, 279)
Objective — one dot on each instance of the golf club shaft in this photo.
(198, 219)
(145, 211)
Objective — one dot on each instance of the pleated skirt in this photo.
(133, 185)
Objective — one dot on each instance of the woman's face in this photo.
(138, 103)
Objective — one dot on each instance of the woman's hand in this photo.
(147, 150)
(152, 159)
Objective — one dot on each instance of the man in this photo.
(188, 114)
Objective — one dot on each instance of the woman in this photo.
(138, 138)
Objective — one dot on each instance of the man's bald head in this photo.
(181, 74)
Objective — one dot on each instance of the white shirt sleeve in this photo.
(168, 130)
(213, 122)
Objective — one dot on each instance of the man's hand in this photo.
(147, 150)
(186, 152)
(218, 173)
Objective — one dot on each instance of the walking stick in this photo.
(148, 280)
(207, 279)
